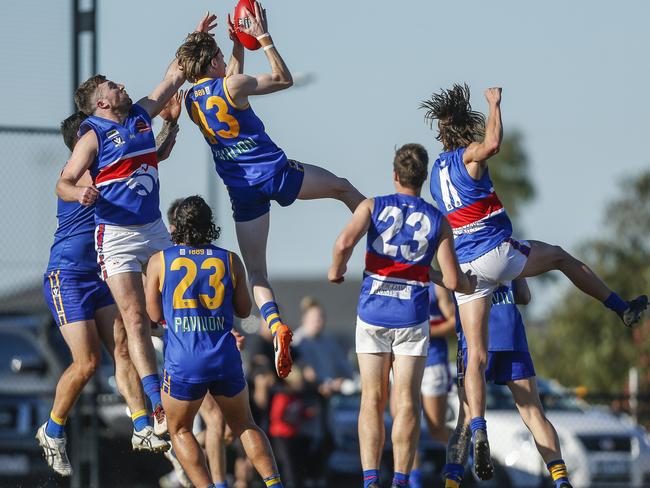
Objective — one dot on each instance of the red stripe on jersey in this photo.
(387, 267)
(474, 212)
(125, 167)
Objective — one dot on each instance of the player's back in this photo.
(402, 240)
(244, 154)
(73, 249)
(197, 286)
(472, 207)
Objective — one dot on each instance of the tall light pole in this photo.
(84, 41)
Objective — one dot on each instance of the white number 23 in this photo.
(382, 243)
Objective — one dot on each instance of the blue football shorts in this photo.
(229, 384)
(73, 297)
(251, 202)
(502, 366)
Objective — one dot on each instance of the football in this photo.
(241, 20)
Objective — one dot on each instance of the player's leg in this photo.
(252, 237)
(113, 336)
(374, 369)
(237, 413)
(474, 318)
(320, 183)
(458, 445)
(128, 293)
(435, 385)
(526, 396)
(215, 445)
(407, 379)
(545, 257)
(180, 419)
(83, 341)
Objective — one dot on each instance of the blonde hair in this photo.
(195, 55)
(308, 303)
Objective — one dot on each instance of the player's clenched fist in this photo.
(87, 195)
(335, 274)
(493, 95)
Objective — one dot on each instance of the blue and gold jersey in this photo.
(244, 154)
(73, 249)
(197, 287)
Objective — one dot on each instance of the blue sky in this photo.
(575, 81)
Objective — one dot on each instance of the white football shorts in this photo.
(127, 249)
(403, 341)
(502, 264)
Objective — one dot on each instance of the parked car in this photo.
(28, 373)
(600, 448)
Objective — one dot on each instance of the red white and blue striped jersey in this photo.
(125, 169)
(402, 240)
(473, 209)
(244, 154)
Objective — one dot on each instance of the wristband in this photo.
(269, 46)
(259, 38)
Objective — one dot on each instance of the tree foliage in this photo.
(585, 343)
(509, 171)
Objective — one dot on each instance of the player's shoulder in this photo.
(450, 158)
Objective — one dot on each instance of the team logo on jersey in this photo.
(143, 180)
(181, 252)
(55, 291)
(141, 126)
(115, 137)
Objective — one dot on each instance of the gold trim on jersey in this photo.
(230, 100)
(162, 271)
(232, 270)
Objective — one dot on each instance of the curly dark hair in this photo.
(194, 224)
(458, 124)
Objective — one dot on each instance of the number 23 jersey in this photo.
(402, 240)
(197, 287)
(243, 153)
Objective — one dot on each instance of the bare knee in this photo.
(87, 366)
(238, 428)
(373, 401)
(477, 359)
(135, 320)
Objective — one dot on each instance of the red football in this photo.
(240, 20)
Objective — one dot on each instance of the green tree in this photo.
(584, 343)
(509, 171)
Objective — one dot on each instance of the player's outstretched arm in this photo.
(453, 277)
(242, 86)
(241, 300)
(166, 138)
(152, 288)
(236, 62)
(82, 158)
(478, 152)
(355, 229)
(521, 291)
(174, 77)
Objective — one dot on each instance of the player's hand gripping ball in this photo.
(242, 21)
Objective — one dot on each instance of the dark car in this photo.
(28, 372)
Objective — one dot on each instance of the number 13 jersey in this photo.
(472, 207)
(197, 289)
(243, 153)
(402, 240)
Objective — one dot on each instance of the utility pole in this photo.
(85, 431)
(84, 41)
